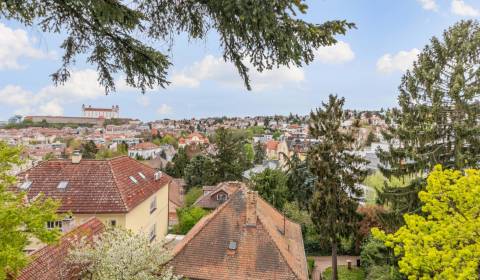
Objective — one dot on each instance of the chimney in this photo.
(251, 217)
(76, 157)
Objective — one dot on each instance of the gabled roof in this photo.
(208, 199)
(49, 262)
(94, 186)
(266, 250)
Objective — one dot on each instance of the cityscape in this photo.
(305, 141)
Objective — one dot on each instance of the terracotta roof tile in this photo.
(48, 262)
(94, 186)
(263, 251)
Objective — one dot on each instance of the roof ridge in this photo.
(201, 226)
(277, 247)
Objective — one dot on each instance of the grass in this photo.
(345, 274)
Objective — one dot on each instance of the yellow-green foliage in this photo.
(446, 243)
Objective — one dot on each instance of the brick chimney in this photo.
(251, 215)
(76, 157)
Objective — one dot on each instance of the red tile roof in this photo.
(262, 250)
(209, 201)
(49, 262)
(144, 146)
(272, 145)
(94, 186)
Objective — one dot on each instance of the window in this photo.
(62, 185)
(113, 223)
(133, 179)
(141, 175)
(222, 196)
(153, 205)
(54, 224)
(25, 185)
(153, 232)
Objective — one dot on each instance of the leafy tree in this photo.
(271, 185)
(122, 148)
(438, 119)
(230, 159)
(187, 218)
(371, 137)
(200, 171)
(260, 153)
(89, 150)
(179, 162)
(20, 220)
(192, 195)
(276, 135)
(48, 156)
(443, 243)
(249, 154)
(108, 33)
(335, 198)
(121, 254)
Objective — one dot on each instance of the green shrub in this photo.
(384, 272)
(311, 265)
(187, 218)
(374, 253)
(345, 274)
(192, 195)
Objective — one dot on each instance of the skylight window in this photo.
(141, 175)
(25, 185)
(62, 185)
(133, 179)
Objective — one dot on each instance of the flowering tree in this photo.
(445, 243)
(121, 254)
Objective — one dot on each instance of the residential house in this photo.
(194, 138)
(244, 238)
(214, 196)
(119, 191)
(145, 150)
(176, 196)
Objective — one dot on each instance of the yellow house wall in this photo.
(140, 219)
(105, 218)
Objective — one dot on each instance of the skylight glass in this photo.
(62, 185)
(25, 185)
(133, 179)
(141, 175)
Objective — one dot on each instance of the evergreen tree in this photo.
(300, 182)
(89, 150)
(260, 153)
(179, 162)
(271, 185)
(200, 171)
(335, 198)
(230, 159)
(111, 34)
(438, 119)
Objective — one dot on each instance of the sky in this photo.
(365, 67)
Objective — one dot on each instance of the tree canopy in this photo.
(445, 243)
(112, 35)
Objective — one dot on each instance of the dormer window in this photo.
(62, 185)
(25, 185)
(222, 196)
(141, 175)
(133, 179)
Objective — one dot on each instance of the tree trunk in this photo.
(334, 260)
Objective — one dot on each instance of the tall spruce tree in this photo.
(438, 119)
(112, 34)
(338, 171)
(230, 158)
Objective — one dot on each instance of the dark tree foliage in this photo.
(271, 185)
(300, 182)
(200, 171)
(179, 162)
(438, 119)
(335, 198)
(112, 34)
(230, 159)
(260, 153)
(89, 150)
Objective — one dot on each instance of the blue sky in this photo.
(365, 67)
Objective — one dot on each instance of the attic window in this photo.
(141, 175)
(133, 179)
(25, 185)
(232, 245)
(62, 185)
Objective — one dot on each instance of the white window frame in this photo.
(222, 197)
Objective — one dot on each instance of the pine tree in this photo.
(260, 153)
(338, 171)
(89, 150)
(111, 35)
(438, 119)
(230, 159)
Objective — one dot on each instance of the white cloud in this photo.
(335, 54)
(50, 100)
(16, 44)
(459, 7)
(429, 5)
(143, 100)
(400, 61)
(212, 68)
(164, 109)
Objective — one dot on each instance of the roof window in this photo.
(141, 175)
(133, 179)
(62, 185)
(25, 185)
